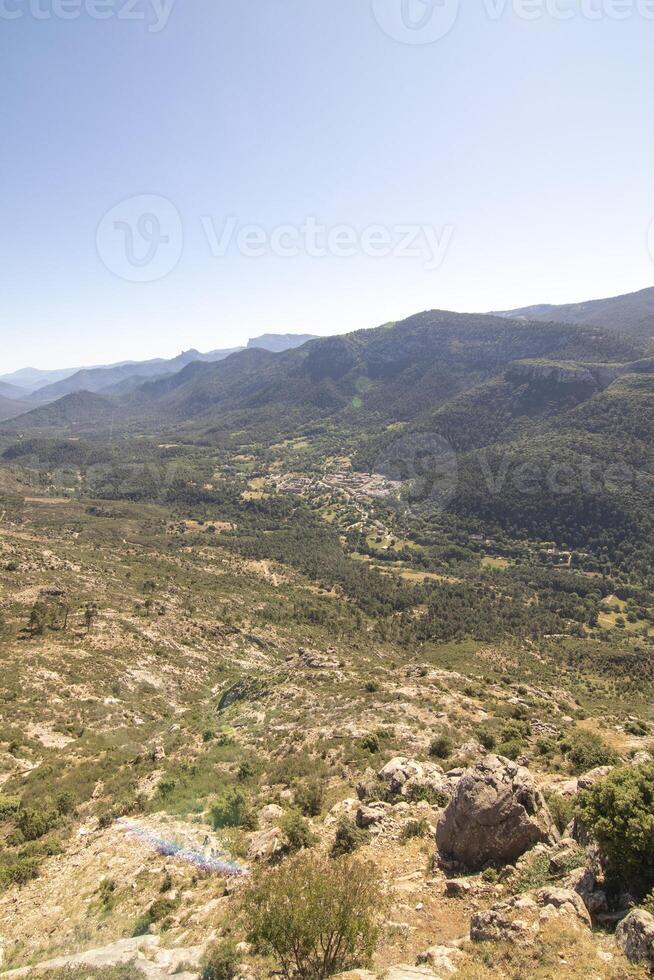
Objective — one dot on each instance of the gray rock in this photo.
(405, 971)
(496, 814)
(458, 888)
(584, 882)
(368, 816)
(635, 936)
(271, 814)
(565, 901)
(442, 959)
(265, 844)
(495, 926)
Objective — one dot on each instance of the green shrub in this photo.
(33, 822)
(107, 893)
(159, 911)
(586, 751)
(233, 809)
(562, 809)
(511, 749)
(638, 728)
(348, 838)
(298, 832)
(426, 793)
(310, 796)
(487, 738)
(245, 771)
(441, 747)
(370, 743)
(221, 961)
(9, 806)
(20, 872)
(316, 916)
(619, 813)
(414, 828)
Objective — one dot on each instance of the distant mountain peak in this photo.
(278, 342)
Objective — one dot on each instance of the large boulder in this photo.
(566, 903)
(496, 814)
(635, 936)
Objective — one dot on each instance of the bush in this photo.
(426, 793)
(586, 751)
(638, 728)
(370, 743)
(310, 797)
(298, 832)
(487, 738)
(33, 822)
(9, 806)
(221, 962)
(562, 809)
(441, 747)
(233, 809)
(511, 749)
(20, 872)
(159, 911)
(348, 838)
(619, 813)
(316, 916)
(414, 828)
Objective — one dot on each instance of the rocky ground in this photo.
(199, 673)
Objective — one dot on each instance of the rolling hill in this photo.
(11, 407)
(396, 373)
(631, 314)
(104, 378)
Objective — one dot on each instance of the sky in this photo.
(191, 173)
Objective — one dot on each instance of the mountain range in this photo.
(631, 314)
(503, 391)
(41, 387)
(402, 372)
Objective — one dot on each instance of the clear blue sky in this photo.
(533, 140)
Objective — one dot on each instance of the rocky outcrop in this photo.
(144, 954)
(265, 844)
(496, 814)
(635, 936)
(407, 779)
(519, 919)
(585, 882)
(563, 902)
(444, 960)
(496, 925)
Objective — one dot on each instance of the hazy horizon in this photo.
(169, 355)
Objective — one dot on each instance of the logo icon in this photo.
(425, 463)
(416, 21)
(141, 238)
